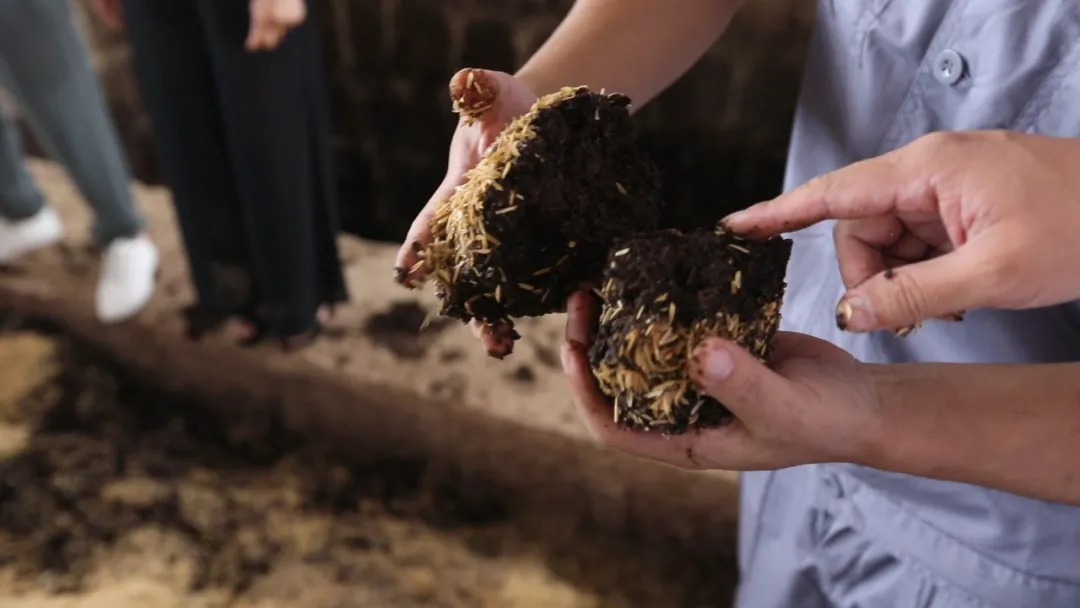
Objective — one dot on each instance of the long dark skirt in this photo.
(243, 139)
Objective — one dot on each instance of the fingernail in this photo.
(712, 362)
(736, 217)
(955, 317)
(853, 313)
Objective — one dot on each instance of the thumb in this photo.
(731, 375)
(906, 296)
(492, 98)
(480, 94)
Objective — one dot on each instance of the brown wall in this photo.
(719, 133)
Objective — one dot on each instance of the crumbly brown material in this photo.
(537, 215)
(664, 293)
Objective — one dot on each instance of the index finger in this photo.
(868, 188)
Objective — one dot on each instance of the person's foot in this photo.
(128, 272)
(246, 332)
(20, 237)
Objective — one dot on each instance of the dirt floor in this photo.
(375, 336)
(466, 481)
(115, 494)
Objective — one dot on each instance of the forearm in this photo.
(1010, 427)
(633, 47)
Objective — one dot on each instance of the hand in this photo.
(111, 12)
(951, 222)
(812, 403)
(509, 98)
(271, 20)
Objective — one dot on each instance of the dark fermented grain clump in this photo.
(540, 211)
(662, 294)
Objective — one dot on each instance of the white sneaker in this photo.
(23, 236)
(128, 272)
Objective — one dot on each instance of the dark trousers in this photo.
(243, 139)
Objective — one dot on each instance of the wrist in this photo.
(887, 437)
(927, 416)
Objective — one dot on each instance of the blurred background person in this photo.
(236, 96)
(45, 66)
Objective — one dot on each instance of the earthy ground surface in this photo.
(465, 482)
(375, 337)
(116, 495)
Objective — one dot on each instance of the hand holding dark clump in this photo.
(943, 225)
(484, 114)
(535, 216)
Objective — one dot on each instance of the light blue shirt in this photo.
(880, 74)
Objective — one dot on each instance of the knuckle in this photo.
(935, 149)
(1001, 273)
(939, 143)
(740, 390)
(907, 297)
(822, 185)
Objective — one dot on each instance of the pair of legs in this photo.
(44, 65)
(244, 143)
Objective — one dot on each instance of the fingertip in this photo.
(710, 344)
(855, 313)
(498, 347)
(473, 92)
(410, 271)
(907, 296)
(498, 340)
(712, 361)
(740, 221)
(580, 301)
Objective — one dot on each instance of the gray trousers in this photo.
(44, 63)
